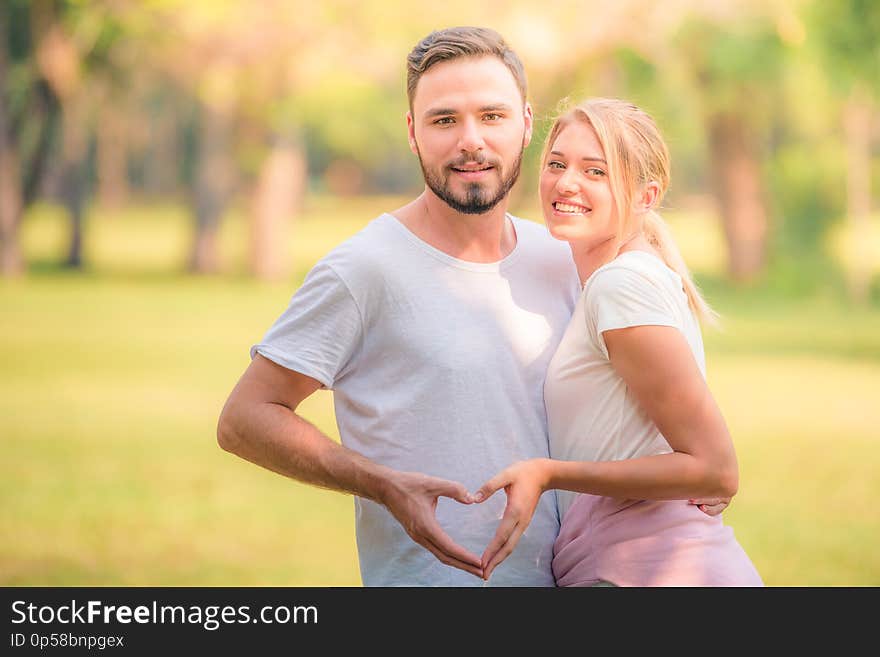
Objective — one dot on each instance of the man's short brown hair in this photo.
(454, 42)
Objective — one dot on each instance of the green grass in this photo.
(111, 382)
(109, 400)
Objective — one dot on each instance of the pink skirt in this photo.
(647, 543)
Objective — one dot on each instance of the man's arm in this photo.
(259, 423)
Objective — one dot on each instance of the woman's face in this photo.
(575, 190)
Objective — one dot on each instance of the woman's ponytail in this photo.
(660, 237)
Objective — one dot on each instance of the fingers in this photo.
(488, 489)
(711, 506)
(459, 493)
(441, 540)
(507, 535)
(712, 509)
(505, 551)
(502, 535)
(437, 542)
(709, 501)
(444, 556)
(450, 489)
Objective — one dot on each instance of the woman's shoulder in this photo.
(635, 281)
(634, 269)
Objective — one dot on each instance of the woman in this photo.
(634, 429)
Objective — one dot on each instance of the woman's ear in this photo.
(648, 197)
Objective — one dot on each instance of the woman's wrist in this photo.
(547, 473)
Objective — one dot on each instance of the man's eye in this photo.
(444, 120)
(492, 117)
(555, 165)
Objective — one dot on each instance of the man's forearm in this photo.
(273, 436)
(276, 438)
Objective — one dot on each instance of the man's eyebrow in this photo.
(439, 111)
(447, 111)
(588, 158)
(498, 107)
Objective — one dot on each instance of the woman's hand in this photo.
(523, 482)
(711, 506)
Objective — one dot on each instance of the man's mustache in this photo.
(473, 159)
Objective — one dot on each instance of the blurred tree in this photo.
(242, 102)
(112, 153)
(279, 187)
(28, 113)
(72, 47)
(59, 59)
(241, 60)
(213, 187)
(11, 196)
(805, 169)
(847, 33)
(736, 65)
(355, 134)
(270, 70)
(617, 49)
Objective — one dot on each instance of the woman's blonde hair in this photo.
(636, 154)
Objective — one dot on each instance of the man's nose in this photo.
(471, 138)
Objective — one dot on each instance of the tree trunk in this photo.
(277, 197)
(162, 166)
(214, 179)
(858, 129)
(112, 158)
(11, 202)
(11, 260)
(44, 111)
(73, 173)
(737, 179)
(60, 63)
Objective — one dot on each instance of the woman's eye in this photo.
(593, 171)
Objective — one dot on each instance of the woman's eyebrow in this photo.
(586, 158)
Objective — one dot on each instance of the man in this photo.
(433, 326)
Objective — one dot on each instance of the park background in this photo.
(170, 170)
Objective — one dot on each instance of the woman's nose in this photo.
(566, 183)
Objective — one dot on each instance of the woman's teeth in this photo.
(572, 209)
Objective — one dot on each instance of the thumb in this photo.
(488, 489)
(455, 491)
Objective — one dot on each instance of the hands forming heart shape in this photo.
(411, 497)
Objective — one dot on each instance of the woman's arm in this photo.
(659, 369)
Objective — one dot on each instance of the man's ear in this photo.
(411, 133)
(529, 122)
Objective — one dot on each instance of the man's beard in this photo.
(476, 198)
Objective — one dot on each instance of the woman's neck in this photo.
(588, 260)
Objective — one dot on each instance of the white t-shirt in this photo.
(437, 365)
(591, 415)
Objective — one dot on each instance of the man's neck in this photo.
(488, 237)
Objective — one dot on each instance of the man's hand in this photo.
(711, 506)
(411, 497)
(523, 482)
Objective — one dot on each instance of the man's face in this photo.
(468, 127)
